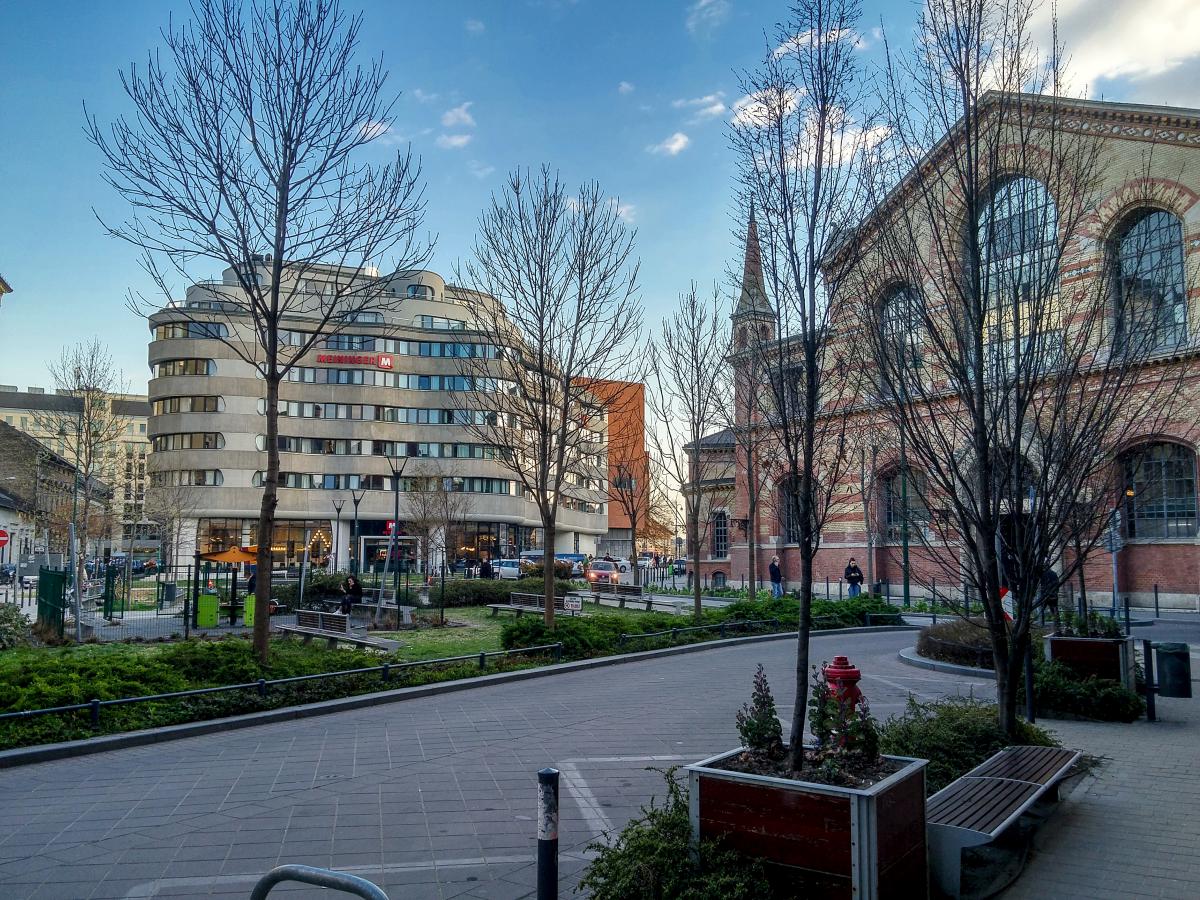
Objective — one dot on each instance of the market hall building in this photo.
(1149, 203)
(387, 388)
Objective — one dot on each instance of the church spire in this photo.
(753, 298)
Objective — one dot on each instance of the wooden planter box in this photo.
(818, 839)
(1110, 658)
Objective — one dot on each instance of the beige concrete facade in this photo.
(335, 435)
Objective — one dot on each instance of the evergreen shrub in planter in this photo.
(851, 825)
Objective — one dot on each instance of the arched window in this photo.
(789, 512)
(718, 579)
(1160, 491)
(901, 320)
(1151, 294)
(1018, 257)
(895, 492)
(720, 534)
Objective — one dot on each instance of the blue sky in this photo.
(633, 93)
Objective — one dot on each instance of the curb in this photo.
(908, 656)
(23, 756)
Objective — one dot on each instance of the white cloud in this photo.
(457, 116)
(423, 96)
(672, 146)
(453, 141)
(707, 107)
(479, 169)
(808, 38)
(704, 16)
(474, 26)
(1131, 39)
(369, 131)
(760, 107)
(626, 212)
(625, 87)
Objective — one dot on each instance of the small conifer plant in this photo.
(758, 723)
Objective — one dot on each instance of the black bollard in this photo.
(547, 853)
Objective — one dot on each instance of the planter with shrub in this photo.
(1061, 693)
(1094, 648)
(852, 824)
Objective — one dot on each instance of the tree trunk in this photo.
(751, 528)
(633, 554)
(694, 555)
(266, 525)
(804, 625)
(548, 570)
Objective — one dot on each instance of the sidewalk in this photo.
(1130, 828)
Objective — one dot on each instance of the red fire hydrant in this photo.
(843, 680)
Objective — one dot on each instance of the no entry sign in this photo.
(3, 538)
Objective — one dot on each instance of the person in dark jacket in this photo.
(352, 594)
(485, 568)
(854, 577)
(776, 577)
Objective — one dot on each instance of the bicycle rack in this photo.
(326, 878)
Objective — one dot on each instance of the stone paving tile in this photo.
(435, 797)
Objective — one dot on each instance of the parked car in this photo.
(680, 567)
(620, 562)
(603, 571)
(507, 568)
(29, 581)
(645, 559)
(8, 574)
(577, 561)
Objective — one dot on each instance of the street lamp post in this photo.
(356, 496)
(337, 531)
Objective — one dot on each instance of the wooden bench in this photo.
(520, 604)
(334, 627)
(981, 805)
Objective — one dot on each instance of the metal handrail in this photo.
(262, 684)
(326, 878)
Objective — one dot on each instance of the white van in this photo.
(507, 568)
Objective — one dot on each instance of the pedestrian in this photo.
(1049, 591)
(352, 593)
(854, 577)
(485, 568)
(776, 577)
(251, 581)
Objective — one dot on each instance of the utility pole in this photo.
(337, 531)
(356, 495)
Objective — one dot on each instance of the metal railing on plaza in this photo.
(386, 670)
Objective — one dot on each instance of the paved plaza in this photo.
(434, 797)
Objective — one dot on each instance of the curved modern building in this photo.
(387, 390)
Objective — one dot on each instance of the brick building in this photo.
(1149, 193)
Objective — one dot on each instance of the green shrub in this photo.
(964, 642)
(562, 570)
(480, 592)
(1057, 689)
(758, 722)
(14, 627)
(652, 858)
(955, 734)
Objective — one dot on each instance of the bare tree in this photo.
(88, 430)
(1003, 363)
(563, 272)
(434, 506)
(243, 152)
(802, 142)
(169, 506)
(686, 392)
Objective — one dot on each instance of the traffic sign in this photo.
(574, 603)
(3, 538)
(1113, 539)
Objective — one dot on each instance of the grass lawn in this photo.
(479, 630)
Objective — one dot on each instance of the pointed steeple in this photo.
(753, 299)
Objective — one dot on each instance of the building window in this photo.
(192, 440)
(789, 511)
(1151, 293)
(901, 320)
(194, 330)
(419, 292)
(350, 342)
(168, 405)
(1162, 479)
(720, 534)
(1018, 241)
(894, 507)
(188, 477)
(718, 579)
(439, 323)
(185, 367)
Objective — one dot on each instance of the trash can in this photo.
(1174, 665)
(248, 610)
(167, 592)
(206, 610)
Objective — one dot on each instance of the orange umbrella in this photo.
(232, 555)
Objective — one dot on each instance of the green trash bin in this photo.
(248, 610)
(1174, 664)
(206, 610)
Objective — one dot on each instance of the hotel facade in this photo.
(386, 391)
